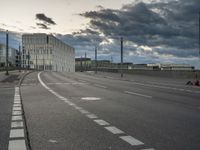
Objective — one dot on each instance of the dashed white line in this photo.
(101, 122)
(16, 112)
(148, 149)
(84, 111)
(137, 94)
(92, 116)
(114, 130)
(17, 145)
(131, 140)
(101, 86)
(17, 124)
(16, 133)
(16, 118)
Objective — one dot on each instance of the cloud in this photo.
(42, 26)
(45, 19)
(167, 24)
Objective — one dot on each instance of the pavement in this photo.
(85, 111)
(7, 90)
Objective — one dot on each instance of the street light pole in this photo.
(95, 60)
(121, 56)
(19, 58)
(7, 53)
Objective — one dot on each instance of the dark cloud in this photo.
(167, 24)
(42, 17)
(42, 26)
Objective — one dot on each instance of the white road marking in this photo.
(16, 133)
(16, 112)
(148, 149)
(91, 98)
(92, 116)
(101, 86)
(53, 141)
(137, 94)
(17, 102)
(114, 130)
(101, 122)
(131, 140)
(17, 105)
(17, 124)
(84, 111)
(17, 145)
(17, 108)
(16, 118)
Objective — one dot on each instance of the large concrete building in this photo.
(11, 56)
(46, 52)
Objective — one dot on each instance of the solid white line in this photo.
(17, 124)
(91, 116)
(101, 122)
(114, 130)
(137, 94)
(148, 149)
(16, 118)
(17, 145)
(131, 140)
(16, 133)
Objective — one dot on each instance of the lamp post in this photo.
(121, 57)
(7, 53)
(19, 58)
(95, 60)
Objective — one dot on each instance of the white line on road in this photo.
(137, 94)
(17, 124)
(101, 86)
(92, 116)
(16, 118)
(114, 130)
(101, 122)
(148, 149)
(131, 140)
(16, 133)
(17, 145)
(16, 112)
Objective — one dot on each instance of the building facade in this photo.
(11, 56)
(46, 52)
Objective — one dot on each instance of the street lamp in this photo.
(7, 53)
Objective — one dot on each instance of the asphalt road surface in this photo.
(83, 111)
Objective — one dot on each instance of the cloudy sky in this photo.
(154, 31)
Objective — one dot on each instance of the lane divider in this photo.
(137, 94)
(112, 129)
(17, 131)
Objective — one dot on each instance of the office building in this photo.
(46, 52)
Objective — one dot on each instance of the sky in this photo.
(154, 31)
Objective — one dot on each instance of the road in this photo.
(83, 111)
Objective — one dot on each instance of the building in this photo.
(46, 52)
(11, 56)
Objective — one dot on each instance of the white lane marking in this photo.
(16, 133)
(131, 140)
(17, 124)
(17, 105)
(16, 112)
(101, 122)
(17, 108)
(114, 130)
(53, 141)
(91, 98)
(17, 145)
(92, 116)
(77, 107)
(16, 118)
(101, 86)
(17, 102)
(137, 94)
(148, 149)
(84, 111)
